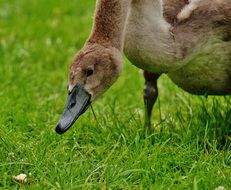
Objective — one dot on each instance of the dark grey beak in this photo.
(77, 103)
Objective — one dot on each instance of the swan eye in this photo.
(89, 72)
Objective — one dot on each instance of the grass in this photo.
(190, 147)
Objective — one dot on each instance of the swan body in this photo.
(198, 60)
(189, 40)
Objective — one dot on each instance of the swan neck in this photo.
(109, 22)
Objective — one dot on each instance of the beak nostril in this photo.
(72, 105)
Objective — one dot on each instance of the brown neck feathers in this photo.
(109, 22)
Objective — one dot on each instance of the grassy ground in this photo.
(188, 149)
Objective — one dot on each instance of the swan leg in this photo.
(150, 94)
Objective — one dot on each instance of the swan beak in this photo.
(77, 103)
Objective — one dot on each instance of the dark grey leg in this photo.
(150, 94)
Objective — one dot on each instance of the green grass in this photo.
(190, 147)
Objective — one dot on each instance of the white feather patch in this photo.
(187, 10)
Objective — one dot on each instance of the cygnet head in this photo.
(94, 69)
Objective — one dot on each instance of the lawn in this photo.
(189, 147)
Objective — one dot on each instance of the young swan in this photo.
(190, 40)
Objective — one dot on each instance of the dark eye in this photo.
(89, 72)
